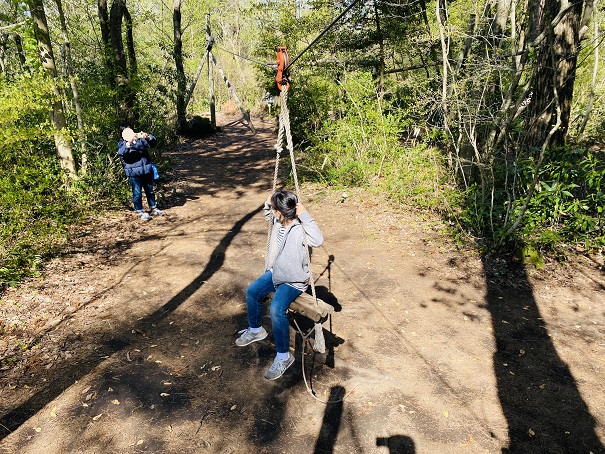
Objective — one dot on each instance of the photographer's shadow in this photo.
(397, 444)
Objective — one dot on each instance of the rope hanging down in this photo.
(283, 83)
(284, 129)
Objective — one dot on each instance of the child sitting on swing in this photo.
(286, 274)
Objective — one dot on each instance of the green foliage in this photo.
(155, 104)
(310, 101)
(349, 133)
(567, 206)
(36, 207)
(23, 114)
(529, 254)
(361, 145)
(568, 203)
(34, 216)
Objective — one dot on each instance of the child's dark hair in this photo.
(285, 202)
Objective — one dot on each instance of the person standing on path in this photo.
(133, 149)
(286, 274)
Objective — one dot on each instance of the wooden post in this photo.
(210, 76)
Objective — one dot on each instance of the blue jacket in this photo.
(135, 156)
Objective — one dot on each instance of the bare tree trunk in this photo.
(444, 56)
(210, 75)
(74, 87)
(180, 71)
(132, 58)
(117, 45)
(103, 13)
(463, 55)
(500, 20)
(381, 48)
(20, 51)
(3, 42)
(595, 68)
(121, 81)
(512, 104)
(427, 25)
(556, 70)
(57, 116)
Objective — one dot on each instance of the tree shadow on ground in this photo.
(330, 424)
(82, 365)
(539, 396)
(213, 173)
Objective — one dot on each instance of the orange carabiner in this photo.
(283, 61)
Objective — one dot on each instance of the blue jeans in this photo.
(144, 182)
(282, 298)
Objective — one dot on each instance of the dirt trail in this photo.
(428, 352)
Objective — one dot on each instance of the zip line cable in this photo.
(317, 38)
(268, 65)
(325, 30)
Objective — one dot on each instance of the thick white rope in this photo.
(278, 149)
(284, 120)
(319, 344)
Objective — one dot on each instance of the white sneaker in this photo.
(144, 216)
(247, 337)
(278, 368)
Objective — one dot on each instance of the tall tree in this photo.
(20, 51)
(180, 71)
(73, 84)
(559, 26)
(57, 115)
(3, 41)
(121, 79)
(103, 13)
(11, 20)
(132, 58)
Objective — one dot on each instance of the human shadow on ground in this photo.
(540, 399)
(85, 363)
(268, 418)
(397, 444)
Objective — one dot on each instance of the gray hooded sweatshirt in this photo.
(290, 263)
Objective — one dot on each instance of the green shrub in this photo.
(361, 145)
(35, 206)
(567, 206)
(34, 215)
(569, 200)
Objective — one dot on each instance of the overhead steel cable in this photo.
(311, 44)
(268, 65)
(325, 30)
